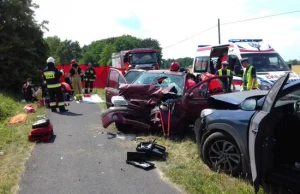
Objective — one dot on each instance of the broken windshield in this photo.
(143, 58)
(169, 81)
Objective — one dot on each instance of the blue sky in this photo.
(170, 23)
(132, 23)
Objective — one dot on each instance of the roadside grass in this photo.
(184, 167)
(13, 143)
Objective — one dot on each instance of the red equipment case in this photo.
(42, 130)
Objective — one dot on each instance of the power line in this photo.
(190, 37)
(239, 21)
(268, 16)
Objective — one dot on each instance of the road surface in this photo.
(82, 160)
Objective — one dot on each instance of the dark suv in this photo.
(257, 132)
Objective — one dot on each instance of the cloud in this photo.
(172, 21)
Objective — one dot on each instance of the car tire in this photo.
(221, 153)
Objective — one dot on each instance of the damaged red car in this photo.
(157, 100)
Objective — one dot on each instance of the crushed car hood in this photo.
(234, 99)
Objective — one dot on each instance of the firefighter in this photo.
(189, 81)
(52, 76)
(89, 78)
(229, 81)
(249, 76)
(76, 73)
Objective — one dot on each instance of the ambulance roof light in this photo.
(202, 45)
(245, 40)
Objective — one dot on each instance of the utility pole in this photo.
(219, 33)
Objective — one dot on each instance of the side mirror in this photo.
(237, 70)
(249, 104)
(290, 66)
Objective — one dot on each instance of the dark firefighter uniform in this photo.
(89, 78)
(52, 76)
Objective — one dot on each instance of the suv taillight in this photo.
(156, 67)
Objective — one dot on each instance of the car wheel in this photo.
(221, 153)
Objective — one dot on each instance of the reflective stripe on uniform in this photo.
(52, 103)
(49, 74)
(54, 85)
(61, 104)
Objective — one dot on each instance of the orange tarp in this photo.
(20, 118)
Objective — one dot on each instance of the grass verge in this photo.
(184, 168)
(13, 143)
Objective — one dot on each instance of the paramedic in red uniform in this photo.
(226, 81)
(52, 77)
(189, 82)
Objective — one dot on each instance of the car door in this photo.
(114, 79)
(260, 123)
(196, 98)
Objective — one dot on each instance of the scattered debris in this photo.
(100, 145)
(138, 159)
(152, 149)
(91, 99)
(1, 153)
(129, 137)
(61, 158)
(29, 108)
(146, 150)
(94, 135)
(41, 116)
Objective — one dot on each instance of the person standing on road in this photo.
(249, 76)
(52, 76)
(89, 78)
(76, 73)
(227, 82)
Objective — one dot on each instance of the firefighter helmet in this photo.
(174, 66)
(51, 60)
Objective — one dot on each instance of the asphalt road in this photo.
(82, 160)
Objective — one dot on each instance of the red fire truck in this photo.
(138, 58)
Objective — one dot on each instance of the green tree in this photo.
(63, 51)
(23, 51)
(93, 52)
(54, 43)
(106, 54)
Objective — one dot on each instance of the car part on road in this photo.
(152, 149)
(221, 153)
(138, 159)
(42, 131)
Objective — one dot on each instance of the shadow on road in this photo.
(70, 114)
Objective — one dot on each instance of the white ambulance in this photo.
(268, 63)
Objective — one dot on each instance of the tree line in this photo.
(98, 52)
